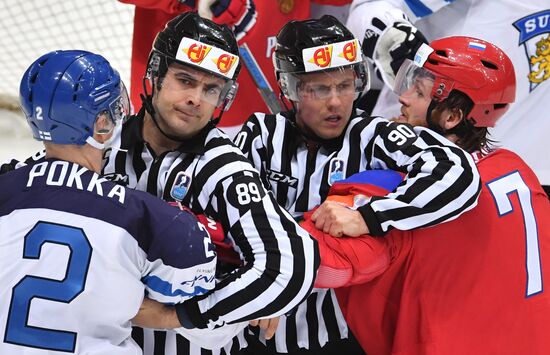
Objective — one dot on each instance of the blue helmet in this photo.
(63, 92)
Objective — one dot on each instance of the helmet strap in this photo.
(92, 141)
(147, 101)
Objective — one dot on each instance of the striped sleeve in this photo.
(442, 180)
(249, 141)
(281, 259)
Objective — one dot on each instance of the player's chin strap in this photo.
(91, 141)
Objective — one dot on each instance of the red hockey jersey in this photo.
(474, 285)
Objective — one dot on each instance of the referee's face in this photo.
(326, 102)
(186, 100)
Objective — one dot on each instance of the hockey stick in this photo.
(269, 97)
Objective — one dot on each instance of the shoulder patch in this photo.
(181, 185)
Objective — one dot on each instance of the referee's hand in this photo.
(338, 221)
(267, 325)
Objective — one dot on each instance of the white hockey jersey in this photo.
(519, 28)
(77, 255)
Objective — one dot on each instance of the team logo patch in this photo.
(286, 6)
(210, 58)
(534, 35)
(336, 170)
(331, 56)
(180, 186)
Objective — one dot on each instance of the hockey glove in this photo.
(389, 45)
(239, 15)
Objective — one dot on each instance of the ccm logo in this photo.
(276, 176)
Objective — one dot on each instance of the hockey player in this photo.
(322, 139)
(79, 252)
(474, 285)
(173, 150)
(392, 30)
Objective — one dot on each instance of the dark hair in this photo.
(470, 137)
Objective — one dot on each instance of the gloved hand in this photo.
(389, 43)
(239, 15)
(224, 246)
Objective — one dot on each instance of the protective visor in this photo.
(117, 112)
(346, 81)
(412, 77)
(200, 86)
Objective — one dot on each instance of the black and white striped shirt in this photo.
(211, 176)
(441, 183)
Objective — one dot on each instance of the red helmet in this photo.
(477, 68)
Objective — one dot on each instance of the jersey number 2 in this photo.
(30, 287)
(501, 189)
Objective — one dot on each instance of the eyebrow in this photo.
(186, 75)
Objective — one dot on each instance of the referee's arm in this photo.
(442, 180)
(281, 259)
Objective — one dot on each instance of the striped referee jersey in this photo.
(211, 176)
(441, 183)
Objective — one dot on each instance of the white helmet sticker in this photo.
(422, 54)
(208, 57)
(332, 55)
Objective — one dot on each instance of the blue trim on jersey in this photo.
(418, 8)
(165, 288)
(161, 231)
(387, 179)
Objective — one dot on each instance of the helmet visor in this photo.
(346, 81)
(199, 85)
(119, 110)
(412, 77)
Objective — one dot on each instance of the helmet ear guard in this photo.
(227, 99)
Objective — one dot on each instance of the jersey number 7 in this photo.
(501, 188)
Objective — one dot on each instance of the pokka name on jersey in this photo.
(63, 173)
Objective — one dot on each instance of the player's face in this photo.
(326, 102)
(415, 101)
(186, 99)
